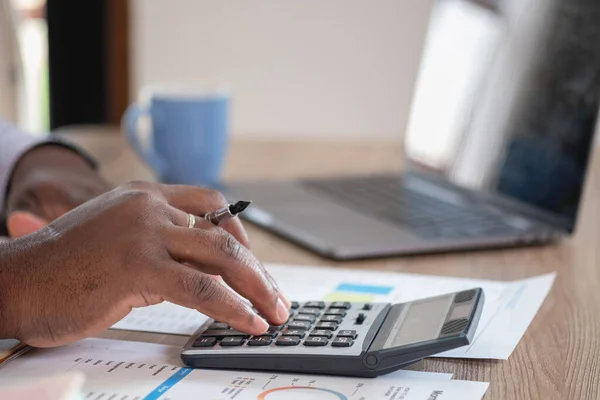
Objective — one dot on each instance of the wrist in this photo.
(20, 280)
(48, 157)
(10, 289)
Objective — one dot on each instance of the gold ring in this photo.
(191, 220)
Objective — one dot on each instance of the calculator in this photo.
(343, 338)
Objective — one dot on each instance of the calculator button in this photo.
(260, 341)
(335, 311)
(308, 318)
(232, 341)
(360, 319)
(276, 327)
(316, 341)
(288, 341)
(223, 332)
(346, 333)
(315, 304)
(321, 332)
(272, 331)
(205, 342)
(340, 304)
(342, 342)
(294, 332)
(331, 318)
(309, 311)
(295, 305)
(218, 326)
(367, 307)
(332, 326)
(299, 325)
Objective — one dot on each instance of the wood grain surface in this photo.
(558, 358)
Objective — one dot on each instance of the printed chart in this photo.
(360, 293)
(111, 372)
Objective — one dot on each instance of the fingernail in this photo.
(282, 311)
(259, 324)
(286, 301)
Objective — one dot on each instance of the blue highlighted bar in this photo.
(367, 289)
(168, 384)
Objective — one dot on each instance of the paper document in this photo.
(509, 306)
(154, 372)
(162, 318)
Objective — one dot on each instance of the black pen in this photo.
(226, 213)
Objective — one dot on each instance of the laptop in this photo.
(507, 165)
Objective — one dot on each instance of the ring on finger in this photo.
(191, 220)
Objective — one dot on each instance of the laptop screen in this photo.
(508, 97)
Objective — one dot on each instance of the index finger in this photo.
(199, 201)
(216, 252)
(190, 288)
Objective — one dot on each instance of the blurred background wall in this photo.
(310, 68)
(298, 68)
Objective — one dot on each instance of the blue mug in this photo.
(188, 135)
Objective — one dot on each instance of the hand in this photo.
(131, 247)
(47, 182)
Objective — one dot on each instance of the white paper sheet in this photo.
(114, 371)
(162, 318)
(509, 306)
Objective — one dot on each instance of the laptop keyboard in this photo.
(386, 198)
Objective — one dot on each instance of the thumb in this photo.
(22, 223)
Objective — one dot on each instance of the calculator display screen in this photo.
(419, 322)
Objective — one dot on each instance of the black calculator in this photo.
(343, 338)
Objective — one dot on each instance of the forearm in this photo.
(10, 262)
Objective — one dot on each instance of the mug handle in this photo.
(148, 153)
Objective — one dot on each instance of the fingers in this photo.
(216, 252)
(21, 223)
(190, 288)
(199, 201)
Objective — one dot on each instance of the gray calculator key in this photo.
(342, 342)
(327, 325)
(340, 304)
(232, 341)
(331, 318)
(276, 327)
(223, 333)
(288, 341)
(205, 342)
(272, 331)
(298, 325)
(309, 311)
(307, 318)
(294, 332)
(322, 332)
(347, 333)
(260, 341)
(295, 305)
(218, 326)
(335, 311)
(316, 341)
(314, 304)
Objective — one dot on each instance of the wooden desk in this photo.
(559, 356)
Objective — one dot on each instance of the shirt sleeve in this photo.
(14, 143)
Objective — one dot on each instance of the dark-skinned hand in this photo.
(131, 247)
(47, 182)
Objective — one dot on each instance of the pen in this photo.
(226, 213)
